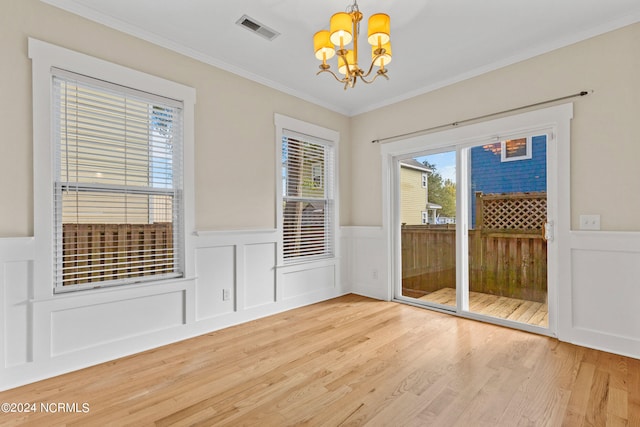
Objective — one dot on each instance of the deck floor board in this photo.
(518, 310)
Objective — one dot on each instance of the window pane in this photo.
(89, 207)
(95, 253)
(304, 169)
(515, 147)
(113, 140)
(117, 191)
(304, 228)
(307, 205)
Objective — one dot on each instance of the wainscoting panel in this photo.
(18, 309)
(600, 308)
(301, 280)
(216, 275)
(367, 269)
(99, 324)
(16, 290)
(259, 274)
(591, 286)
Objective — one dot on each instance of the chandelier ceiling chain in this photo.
(344, 29)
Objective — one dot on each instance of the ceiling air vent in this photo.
(256, 27)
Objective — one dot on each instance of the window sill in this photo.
(116, 292)
(303, 263)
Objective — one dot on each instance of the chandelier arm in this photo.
(382, 73)
(369, 81)
(332, 73)
(373, 62)
(379, 73)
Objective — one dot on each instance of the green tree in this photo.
(441, 191)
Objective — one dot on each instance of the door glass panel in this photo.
(507, 249)
(428, 228)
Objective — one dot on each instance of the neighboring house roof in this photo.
(414, 164)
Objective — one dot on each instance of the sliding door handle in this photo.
(547, 231)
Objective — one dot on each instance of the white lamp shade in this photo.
(322, 45)
(342, 67)
(341, 29)
(385, 58)
(379, 29)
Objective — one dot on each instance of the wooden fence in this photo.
(428, 259)
(101, 252)
(507, 255)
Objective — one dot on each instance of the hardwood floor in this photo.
(518, 310)
(346, 362)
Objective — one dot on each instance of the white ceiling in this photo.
(435, 42)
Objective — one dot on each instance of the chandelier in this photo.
(344, 28)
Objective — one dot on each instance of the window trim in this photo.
(315, 133)
(44, 57)
(528, 147)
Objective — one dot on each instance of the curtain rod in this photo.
(454, 124)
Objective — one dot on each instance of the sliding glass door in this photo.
(472, 229)
(428, 228)
(507, 221)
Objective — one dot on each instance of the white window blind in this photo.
(308, 198)
(118, 184)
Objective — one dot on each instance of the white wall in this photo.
(44, 337)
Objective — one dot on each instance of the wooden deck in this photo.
(533, 313)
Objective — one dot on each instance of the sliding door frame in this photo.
(552, 121)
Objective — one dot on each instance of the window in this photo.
(515, 149)
(117, 184)
(425, 180)
(317, 175)
(113, 160)
(425, 217)
(308, 204)
(307, 198)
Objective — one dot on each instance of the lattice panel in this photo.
(514, 213)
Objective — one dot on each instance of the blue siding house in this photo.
(517, 166)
